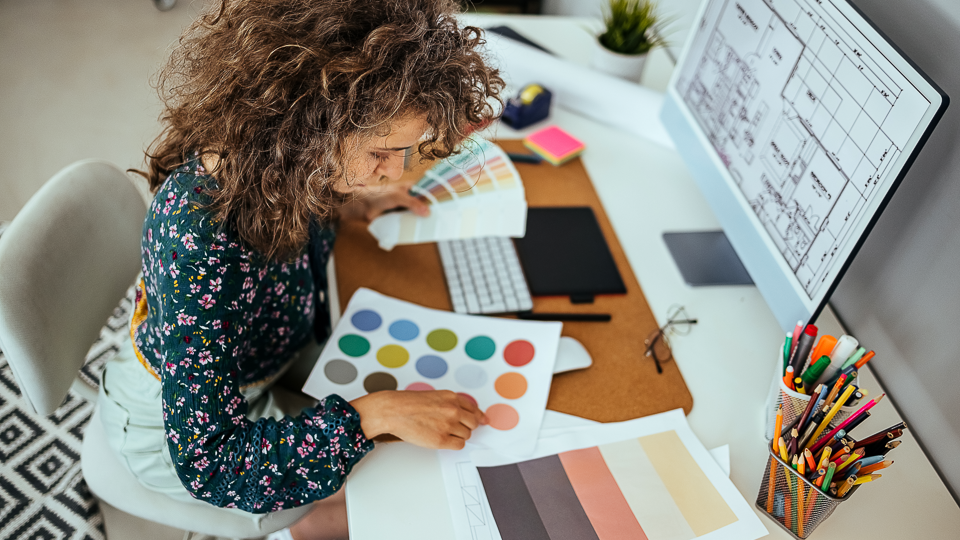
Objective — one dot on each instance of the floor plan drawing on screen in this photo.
(806, 114)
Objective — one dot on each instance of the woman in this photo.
(281, 118)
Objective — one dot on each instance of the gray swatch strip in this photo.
(513, 509)
(557, 503)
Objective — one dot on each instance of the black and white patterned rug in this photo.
(42, 491)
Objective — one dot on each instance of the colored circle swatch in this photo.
(404, 330)
(480, 348)
(340, 371)
(442, 340)
(518, 353)
(419, 386)
(502, 416)
(354, 345)
(470, 376)
(366, 320)
(378, 381)
(431, 367)
(392, 356)
(511, 385)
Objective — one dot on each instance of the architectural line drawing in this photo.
(807, 116)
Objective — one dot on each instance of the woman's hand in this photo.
(433, 419)
(370, 203)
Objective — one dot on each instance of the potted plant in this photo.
(631, 30)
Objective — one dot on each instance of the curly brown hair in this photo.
(277, 88)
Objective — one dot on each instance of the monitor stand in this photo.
(706, 258)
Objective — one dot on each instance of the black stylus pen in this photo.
(579, 317)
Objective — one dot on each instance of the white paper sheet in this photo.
(471, 515)
(385, 338)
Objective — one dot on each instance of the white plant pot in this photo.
(625, 66)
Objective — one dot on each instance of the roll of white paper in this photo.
(593, 94)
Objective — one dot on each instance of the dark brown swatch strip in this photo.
(556, 501)
(511, 504)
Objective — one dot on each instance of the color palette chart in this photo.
(504, 366)
(659, 485)
(475, 193)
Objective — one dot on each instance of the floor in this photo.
(75, 84)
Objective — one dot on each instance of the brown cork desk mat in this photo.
(621, 384)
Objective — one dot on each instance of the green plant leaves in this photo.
(632, 27)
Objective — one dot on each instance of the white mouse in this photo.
(571, 355)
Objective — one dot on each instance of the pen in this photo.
(576, 317)
(800, 354)
(786, 350)
(866, 358)
(796, 336)
(525, 158)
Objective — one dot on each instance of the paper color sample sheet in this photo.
(505, 366)
(469, 507)
(475, 193)
(649, 478)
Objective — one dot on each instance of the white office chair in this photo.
(65, 261)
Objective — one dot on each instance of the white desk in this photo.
(727, 360)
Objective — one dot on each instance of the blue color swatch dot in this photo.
(404, 330)
(431, 367)
(366, 320)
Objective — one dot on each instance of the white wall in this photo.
(901, 295)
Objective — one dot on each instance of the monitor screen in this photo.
(797, 119)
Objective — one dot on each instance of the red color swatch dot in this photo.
(518, 353)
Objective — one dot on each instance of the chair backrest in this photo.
(65, 261)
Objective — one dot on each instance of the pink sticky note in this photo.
(555, 141)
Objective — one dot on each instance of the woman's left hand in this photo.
(369, 204)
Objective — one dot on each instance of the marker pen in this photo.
(845, 347)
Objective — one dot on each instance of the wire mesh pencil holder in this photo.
(794, 502)
(794, 403)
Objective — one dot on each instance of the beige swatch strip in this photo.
(691, 490)
(645, 492)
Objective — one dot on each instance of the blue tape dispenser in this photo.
(530, 106)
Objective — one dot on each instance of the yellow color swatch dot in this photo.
(392, 356)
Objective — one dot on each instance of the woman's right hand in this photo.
(432, 419)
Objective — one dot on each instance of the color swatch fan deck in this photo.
(473, 194)
(504, 366)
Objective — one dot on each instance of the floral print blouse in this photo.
(215, 320)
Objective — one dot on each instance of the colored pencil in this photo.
(826, 421)
(876, 467)
(852, 417)
(810, 404)
(777, 427)
(866, 478)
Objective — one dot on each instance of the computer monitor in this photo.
(797, 119)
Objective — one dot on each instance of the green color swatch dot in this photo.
(354, 345)
(442, 340)
(392, 356)
(480, 348)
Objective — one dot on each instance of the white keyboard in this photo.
(484, 276)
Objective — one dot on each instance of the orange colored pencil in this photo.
(777, 428)
(875, 467)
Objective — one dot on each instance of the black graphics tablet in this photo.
(564, 253)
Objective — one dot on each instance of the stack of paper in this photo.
(472, 194)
